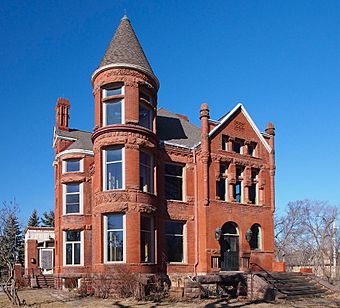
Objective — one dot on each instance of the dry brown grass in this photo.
(48, 298)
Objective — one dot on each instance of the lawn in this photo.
(61, 299)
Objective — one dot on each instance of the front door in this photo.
(46, 260)
(230, 252)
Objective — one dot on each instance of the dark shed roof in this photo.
(174, 129)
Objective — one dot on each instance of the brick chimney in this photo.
(204, 117)
(62, 113)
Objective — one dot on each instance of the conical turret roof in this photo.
(125, 50)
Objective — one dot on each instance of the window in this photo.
(73, 165)
(225, 140)
(114, 238)
(238, 197)
(145, 116)
(145, 172)
(253, 187)
(147, 239)
(255, 240)
(144, 96)
(251, 148)
(73, 198)
(173, 182)
(174, 235)
(113, 105)
(113, 112)
(73, 242)
(238, 146)
(113, 168)
(112, 91)
(221, 185)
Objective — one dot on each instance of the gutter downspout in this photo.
(196, 211)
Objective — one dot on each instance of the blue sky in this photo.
(281, 59)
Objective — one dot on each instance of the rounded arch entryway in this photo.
(230, 247)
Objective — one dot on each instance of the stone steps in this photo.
(295, 285)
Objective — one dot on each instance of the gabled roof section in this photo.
(249, 119)
(175, 130)
(125, 50)
(81, 139)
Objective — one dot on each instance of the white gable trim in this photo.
(249, 119)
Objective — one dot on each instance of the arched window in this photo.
(230, 228)
(256, 234)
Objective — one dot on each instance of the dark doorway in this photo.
(230, 249)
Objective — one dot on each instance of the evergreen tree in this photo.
(34, 220)
(12, 240)
(47, 219)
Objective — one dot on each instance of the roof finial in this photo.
(125, 16)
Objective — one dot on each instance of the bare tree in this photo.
(305, 235)
(10, 252)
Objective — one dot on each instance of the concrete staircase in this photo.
(294, 286)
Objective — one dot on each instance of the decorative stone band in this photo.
(122, 69)
(124, 134)
(124, 201)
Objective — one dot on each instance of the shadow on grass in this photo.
(222, 303)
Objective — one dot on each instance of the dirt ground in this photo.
(50, 298)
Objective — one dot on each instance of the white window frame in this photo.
(184, 242)
(64, 165)
(151, 191)
(105, 221)
(152, 225)
(81, 198)
(176, 176)
(81, 249)
(104, 156)
(106, 88)
(122, 100)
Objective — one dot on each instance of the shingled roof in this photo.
(82, 139)
(125, 50)
(172, 128)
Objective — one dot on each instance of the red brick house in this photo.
(149, 190)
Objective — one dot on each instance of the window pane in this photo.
(72, 208)
(76, 252)
(237, 146)
(113, 91)
(237, 192)
(114, 179)
(173, 188)
(252, 193)
(72, 199)
(173, 170)
(145, 116)
(145, 96)
(145, 178)
(174, 248)
(115, 246)
(113, 113)
(73, 236)
(113, 155)
(115, 222)
(145, 223)
(72, 165)
(220, 189)
(68, 254)
(72, 188)
(173, 227)
(146, 248)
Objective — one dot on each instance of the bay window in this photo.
(147, 239)
(145, 172)
(145, 116)
(113, 168)
(113, 111)
(114, 238)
